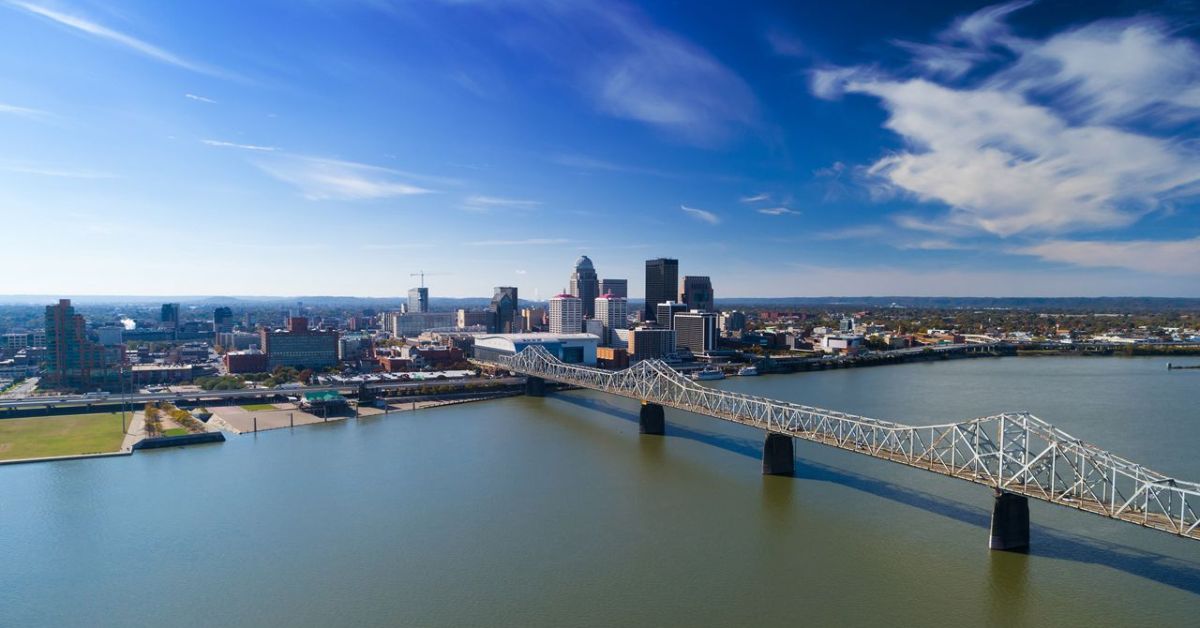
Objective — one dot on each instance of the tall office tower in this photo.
(733, 321)
(665, 313)
(533, 318)
(696, 330)
(72, 361)
(169, 315)
(662, 284)
(418, 299)
(566, 314)
(697, 293)
(615, 287)
(222, 319)
(503, 310)
(585, 285)
(612, 311)
(651, 342)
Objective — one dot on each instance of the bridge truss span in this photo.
(1015, 453)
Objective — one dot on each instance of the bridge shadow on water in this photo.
(1047, 542)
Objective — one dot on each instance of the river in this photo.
(556, 512)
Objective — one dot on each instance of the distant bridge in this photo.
(1017, 454)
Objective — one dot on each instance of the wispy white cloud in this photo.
(525, 242)
(253, 147)
(1168, 257)
(756, 198)
(702, 215)
(331, 179)
(634, 69)
(852, 233)
(58, 172)
(200, 99)
(1035, 148)
(777, 211)
(584, 162)
(477, 202)
(126, 41)
(522, 271)
(966, 43)
(785, 44)
(931, 245)
(24, 112)
(397, 246)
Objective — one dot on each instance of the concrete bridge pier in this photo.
(778, 455)
(535, 386)
(1010, 523)
(652, 419)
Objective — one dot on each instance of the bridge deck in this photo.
(1013, 452)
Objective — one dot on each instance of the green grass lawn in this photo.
(259, 406)
(175, 431)
(60, 435)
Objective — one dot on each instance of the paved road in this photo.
(249, 393)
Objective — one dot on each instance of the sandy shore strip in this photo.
(239, 420)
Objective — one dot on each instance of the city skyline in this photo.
(965, 149)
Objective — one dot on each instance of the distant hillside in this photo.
(1065, 304)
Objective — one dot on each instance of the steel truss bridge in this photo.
(1017, 454)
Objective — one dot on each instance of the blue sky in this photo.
(282, 147)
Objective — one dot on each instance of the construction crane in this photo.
(422, 275)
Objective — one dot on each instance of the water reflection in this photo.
(1046, 542)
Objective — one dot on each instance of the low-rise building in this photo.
(612, 358)
(570, 348)
(248, 361)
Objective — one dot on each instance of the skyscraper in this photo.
(566, 314)
(169, 315)
(662, 284)
(222, 319)
(611, 310)
(72, 361)
(503, 310)
(696, 330)
(697, 293)
(666, 311)
(418, 299)
(615, 287)
(585, 285)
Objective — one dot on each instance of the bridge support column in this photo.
(778, 455)
(1010, 523)
(535, 386)
(652, 419)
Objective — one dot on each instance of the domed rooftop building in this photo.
(585, 284)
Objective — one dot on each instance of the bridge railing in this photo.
(1013, 452)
